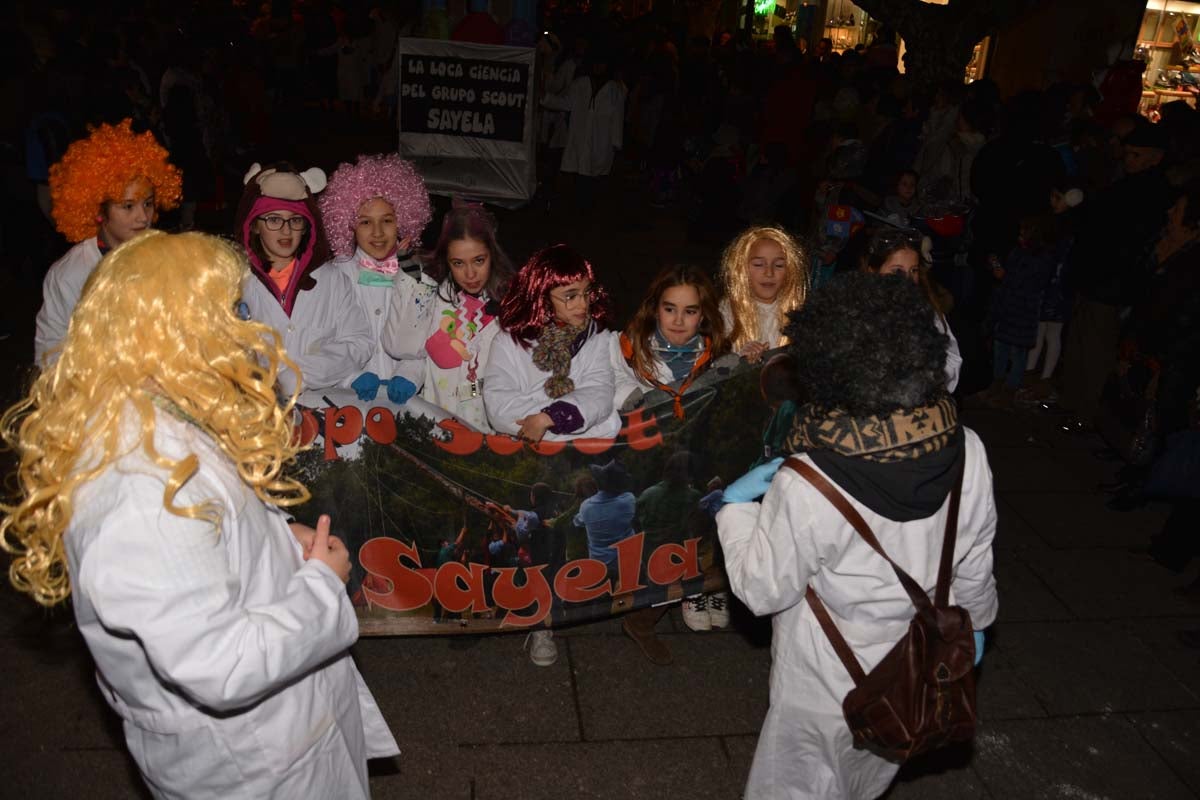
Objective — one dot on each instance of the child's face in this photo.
(375, 232)
(130, 215)
(903, 262)
(679, 314)
(281, 243)
(571, 303)
(767, 268)
(470, 264)
(906, 188)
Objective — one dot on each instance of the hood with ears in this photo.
(281, 186)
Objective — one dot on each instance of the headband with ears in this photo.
(286, 185)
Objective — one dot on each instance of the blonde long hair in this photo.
(156, 326)
(735, 278)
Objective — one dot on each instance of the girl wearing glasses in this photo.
(765, 277)
(550, 374)
(441, 322)
(897, 251)
(312, 307)
(106, 190)
(374, 210)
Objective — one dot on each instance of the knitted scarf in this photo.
(553, 352)
(902, 435)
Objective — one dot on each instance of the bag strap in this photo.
(835, 637)
(941, 595)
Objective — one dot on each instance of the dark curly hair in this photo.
(867, 344)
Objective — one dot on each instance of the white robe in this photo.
(61, 291)
(375, 302)
(596, 127)
(797, 538)
(626, 380)
(767, 322)
(327, 335)
(223, 652)
(513, 387)
(415, 312)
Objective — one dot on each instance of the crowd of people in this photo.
(898, 246)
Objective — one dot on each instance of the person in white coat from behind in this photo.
(374, 211)
(309, 303)
(881, 428)
(151, 461)
(106, 190)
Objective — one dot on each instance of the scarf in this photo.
(698, 361)
(904, 434)
(553, 352)
(679, 358)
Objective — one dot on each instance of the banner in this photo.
(466, 118)
(454, 531)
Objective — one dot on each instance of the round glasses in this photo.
(274, 222)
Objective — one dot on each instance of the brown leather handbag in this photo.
(921, 696)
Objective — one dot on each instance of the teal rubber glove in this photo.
(753, 484)
(400, 390)
(366, 386)
(978, 647)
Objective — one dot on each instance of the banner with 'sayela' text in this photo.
(454, 531)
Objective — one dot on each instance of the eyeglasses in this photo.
(888, 238)
(572, 297)
(274, 222)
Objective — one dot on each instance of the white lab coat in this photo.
(223, 652)
(415, 313)
(327, 335)
(61, 291)
(596, 127)
(626, 380)
(796, 538)
(375, 302)
(513, 387)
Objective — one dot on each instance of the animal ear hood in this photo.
(286, 185)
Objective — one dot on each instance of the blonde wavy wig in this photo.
(155, 327)
(735, 278)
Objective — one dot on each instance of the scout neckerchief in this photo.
(698, 367)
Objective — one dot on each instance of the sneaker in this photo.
(542, 649)
(718, 609)
(695, 613)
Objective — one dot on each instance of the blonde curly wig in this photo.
(735, 278)
(156, 327)
(97, 169)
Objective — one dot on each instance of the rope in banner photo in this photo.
(455, 531)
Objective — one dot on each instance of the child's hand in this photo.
(533, 427)
(304, 535)
(329, 550)
(753, 352)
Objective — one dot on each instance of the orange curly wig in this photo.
(97, 169)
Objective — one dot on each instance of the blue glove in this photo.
(753, 484)
(978, 647)
(400, 390)
(366, 386)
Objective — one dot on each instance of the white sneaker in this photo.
(718, 609)
(542, 649)
(695, 612)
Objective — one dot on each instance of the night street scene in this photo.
(601, 399)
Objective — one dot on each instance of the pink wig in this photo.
(388, 177)
(527, 309)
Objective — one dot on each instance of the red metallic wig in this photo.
(527, 309)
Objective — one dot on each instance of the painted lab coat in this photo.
(797, 538)
(513, 388)
(223, 652)
(418, 312)
(61, 291)
(375, 302)
(596, 127)
(327, 335)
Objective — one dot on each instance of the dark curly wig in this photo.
(867, 344)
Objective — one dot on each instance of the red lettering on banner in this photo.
(582, 580)
(459, 589)
(463, 441)
(629, 563)
(342, 426)
(308, 428)
(509, 596)
(503, 445)
(593, 447)
(639, 432)
(410, 588)
(670, 563)
(547, 448)
(381, 426)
